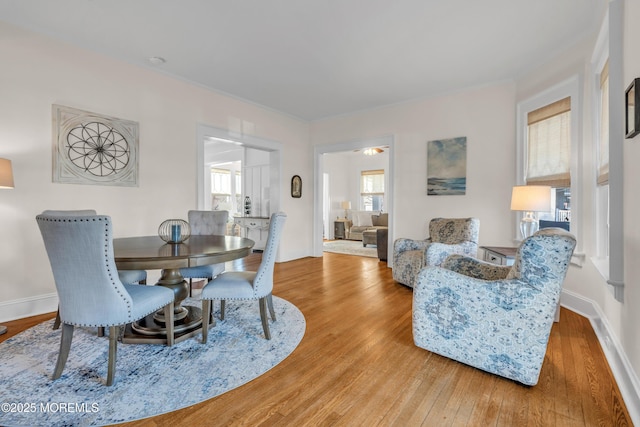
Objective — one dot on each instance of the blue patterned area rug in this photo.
(150, 379)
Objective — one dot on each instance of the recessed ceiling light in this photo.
(157, 60)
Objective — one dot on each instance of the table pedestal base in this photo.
(150, 331)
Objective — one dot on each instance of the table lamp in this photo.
(6, 182)
(530, 199)
(346, 206)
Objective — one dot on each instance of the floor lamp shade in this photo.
(530, 199)
(6, 174)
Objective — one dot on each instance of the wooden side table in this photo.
(499, 254)
(340, 227)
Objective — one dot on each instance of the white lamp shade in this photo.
(346, 205)
(531, 198)
(6, 174)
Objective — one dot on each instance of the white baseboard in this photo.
(25, 307)
(618, 362)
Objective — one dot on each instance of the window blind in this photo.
(372, 182)
(549, 145)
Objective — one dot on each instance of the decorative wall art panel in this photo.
(89, 148)
(447, 167)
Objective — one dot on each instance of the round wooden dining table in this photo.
(153, 253)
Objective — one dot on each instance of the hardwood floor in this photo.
(357, 366)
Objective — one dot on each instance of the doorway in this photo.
(257, 158)
(323, 213)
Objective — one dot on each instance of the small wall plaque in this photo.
(296, 187)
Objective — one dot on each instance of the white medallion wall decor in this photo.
(89, 148)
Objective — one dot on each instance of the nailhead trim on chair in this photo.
(260, 274)
(106, 260)
(106, 254)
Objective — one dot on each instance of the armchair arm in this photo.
(436, 253)
(404, 244)
(499, 326)
(475, 268)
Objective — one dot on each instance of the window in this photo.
(220, 181)
(608, 114)
(220, 189)
(602, 155)
(549, 131)
(372, 190)
(549, 155)
(603, 134)
(600, 105)
(225, 194)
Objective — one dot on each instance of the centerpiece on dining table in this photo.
(174, 231)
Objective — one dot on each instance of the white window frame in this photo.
(616, 153)
(220, 171)
(220, 192)
(568, 88)
(363, 193)
(601, 202)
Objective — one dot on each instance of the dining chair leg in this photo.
(56, 323)
(65, 346)
(263, 315)
(206, 314)
(113, 349)
(222, 307)
(212, 316)
(271, 309)
(168, 316)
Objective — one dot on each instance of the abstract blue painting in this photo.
(447, 167)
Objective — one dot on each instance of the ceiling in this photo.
(314, 59)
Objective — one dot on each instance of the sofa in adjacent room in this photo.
(366, 220)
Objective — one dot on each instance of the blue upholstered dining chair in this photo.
(247, 285)
(80, 250)
(127, 277)
(205, 223)
(447, 236)
(491, 317)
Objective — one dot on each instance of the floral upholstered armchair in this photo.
(500, 325)
(447, 236)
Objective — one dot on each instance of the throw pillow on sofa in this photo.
(362, 219)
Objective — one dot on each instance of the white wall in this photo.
(628, 315)
(486, 116)
(37, 72)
